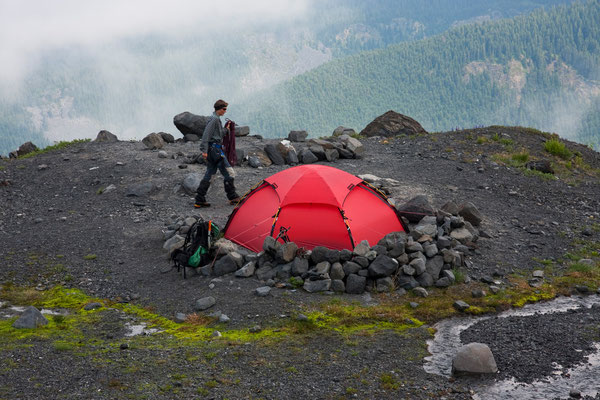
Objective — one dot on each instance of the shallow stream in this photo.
(583, 377)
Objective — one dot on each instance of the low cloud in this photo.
(28, 28)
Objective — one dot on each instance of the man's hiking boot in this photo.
(201, 204)
(233, 202)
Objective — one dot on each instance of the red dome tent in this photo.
(319, 205)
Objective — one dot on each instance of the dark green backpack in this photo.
(195, 251)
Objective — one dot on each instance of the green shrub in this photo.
(57, 146)
(557, 148)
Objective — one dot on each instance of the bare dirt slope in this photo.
(56, 227)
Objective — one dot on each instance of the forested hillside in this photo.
(539, 70)
(133, 86)
(355, 25)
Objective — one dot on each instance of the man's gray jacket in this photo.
(213, 133)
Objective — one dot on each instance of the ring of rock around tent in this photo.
(439, 242)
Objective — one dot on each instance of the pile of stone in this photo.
(424, 257)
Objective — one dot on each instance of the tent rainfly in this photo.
(314, 205)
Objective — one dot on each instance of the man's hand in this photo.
(205, 155)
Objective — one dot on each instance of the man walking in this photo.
(212, 151)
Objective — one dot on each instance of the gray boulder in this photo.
(140, 189)
(190, 124)
(286, 252)
(167, 137)
(341, 130)
(318, 151)
(26, 148)
(353, 145)
(191, 182)
(292, 157)
(544, 166)
(308, 157)
(384, 284)
(416, 208)
(153, 141)
(241, 130)
(434, 266)
(205, 303)
(425, 280)
(262, 291)
(226, 264)
(321, 285)
(383, 266)
(474, 358)
(337, 271)
(393, 124)
(470, 213)
(106, 137)
(247, 270)
(297, 136)
(299, 266)
(351, 268)
(427, 226)
(338, 285)
(406, 282)
(355, 284)
(319, 254)
(30, 319)
(362, 248)
(331, 155)
(274, 154)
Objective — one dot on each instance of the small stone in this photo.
(255, 329)
(421, 292)
(460, 305)
(494, 289)
(124, 346)
(412, 304)
(224, 318)
(302, 317)
(538, 273)
(180, 317)
(92, 306)
(583, 289)
(205, 303)
(216, 334)
(262, 291)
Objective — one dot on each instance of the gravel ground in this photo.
(54, 215)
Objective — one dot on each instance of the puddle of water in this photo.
(583, 377)
(138, 329)
(14, 311)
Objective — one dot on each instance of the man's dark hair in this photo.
(220, 104)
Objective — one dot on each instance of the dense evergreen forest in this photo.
(351, 26)
(539, 70)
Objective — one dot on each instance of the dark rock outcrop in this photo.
(392, 124)
(190, 124)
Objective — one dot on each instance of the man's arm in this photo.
(207, 135)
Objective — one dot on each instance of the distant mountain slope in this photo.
(357, 25)
(133, 86)
(539, 70)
